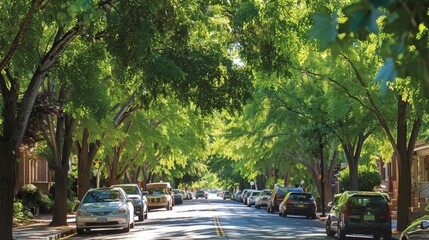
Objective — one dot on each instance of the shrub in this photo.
(367, 179)
(18, 210)
(30, 196)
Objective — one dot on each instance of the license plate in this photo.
(300, 205)
(101, 219)
(368, 217)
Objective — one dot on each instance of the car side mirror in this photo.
(424, 224)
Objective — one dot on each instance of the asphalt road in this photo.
(215, 218)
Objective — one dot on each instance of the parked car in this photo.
(226, 195)
(177, 196)
(159, 196)
(236, 195)
(262, 199)
(201, 194)
(298, 203)
(277, 196)
(139, 200)
(361, 212)
(105, 208)
(418, 229)
(332, 220)
(243, 195)
(252, 196)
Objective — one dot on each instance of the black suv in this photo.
(277, 196)
(362, 213)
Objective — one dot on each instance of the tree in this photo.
(404, 34)
(32, 47)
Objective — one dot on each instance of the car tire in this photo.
(141, 217)
(80, 231)
(341, 234)
(146, 213)
(127, 229)
(268, 209)
(329, 232)
(387, 235)
(280, 214)
(132, 225)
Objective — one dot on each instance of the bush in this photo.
(368, 178)
(18, 210)
(31, 197)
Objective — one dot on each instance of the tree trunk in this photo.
(354, 175)
(8, 175)
(63, 136)
(86, 154)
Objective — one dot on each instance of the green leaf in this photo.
(363, 15)
(324, 29)
(386, 74)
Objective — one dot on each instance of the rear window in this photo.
(301, 197)
(360, 202)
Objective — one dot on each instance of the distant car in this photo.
(160, 196)
(298, 203)
(262, 199)
(235, 196)
(139, 200)
(105, 208)
(177, 197)
(201, 194)
(361, 212)
(418, 229)
(226, 195)
(252, 196)
(277, 196)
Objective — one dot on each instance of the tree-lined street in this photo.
(215, 218)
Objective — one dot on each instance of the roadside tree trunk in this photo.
(86, 153)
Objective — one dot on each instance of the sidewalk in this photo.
(40, 229)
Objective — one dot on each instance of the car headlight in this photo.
(122, 210)
(82, 212)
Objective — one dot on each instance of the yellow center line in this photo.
(217, 225)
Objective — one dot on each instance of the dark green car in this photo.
(361, 212)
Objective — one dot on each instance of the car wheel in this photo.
(280, 213)
(80, 231)
(127, 229)
(341, 234)
(268, 209)
(284, 213)
(141, 216)
(272, 210)
(329, 232)
(387, 235)
(132, 225)
(146, 213)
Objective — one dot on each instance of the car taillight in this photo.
(289, 202)
(346, 213)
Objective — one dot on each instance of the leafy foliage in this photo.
(368, 178)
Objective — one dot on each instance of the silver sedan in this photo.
(105, 208)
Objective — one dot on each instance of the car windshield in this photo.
(361, 202)
(158, 190)
(200, 192)
(130, 190)
(102, 196)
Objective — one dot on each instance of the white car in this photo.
(251, 198)
(262, 199)
(105, 208)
